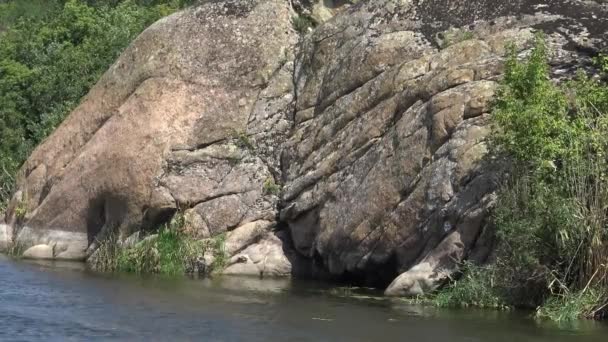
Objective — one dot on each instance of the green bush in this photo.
(551, 216)
(51, 54)
(532, 113)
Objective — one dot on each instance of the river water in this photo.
(64, 302)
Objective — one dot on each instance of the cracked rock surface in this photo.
(358, 150)
(387, 172)
(172, 124)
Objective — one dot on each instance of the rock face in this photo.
(361, 148)
(320, 10)
(186, 118)
(386, 171)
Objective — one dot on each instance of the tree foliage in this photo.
(552, 215)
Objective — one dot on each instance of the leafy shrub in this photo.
(551, 216)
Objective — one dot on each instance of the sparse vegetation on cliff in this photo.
(551, 217)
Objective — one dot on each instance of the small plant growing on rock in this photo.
(302, 23)
(270, 187)
(15, 250)
(21, 209)
(243, 141)
(105, 258)
(451, 37)
(218, 247)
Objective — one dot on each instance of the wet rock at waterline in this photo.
(39, 252)
(359, 147)
(256, 251)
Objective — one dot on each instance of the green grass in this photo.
(218, 247)
(590, 303)
(474, 288)
(105, 258)
(15, 250)
(170, 252)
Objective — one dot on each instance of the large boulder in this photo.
(255, 251)
(39, 252)
(387, 169)
(189, 117)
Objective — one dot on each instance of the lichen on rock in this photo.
(358, 150)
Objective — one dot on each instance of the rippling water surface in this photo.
(63, 302)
